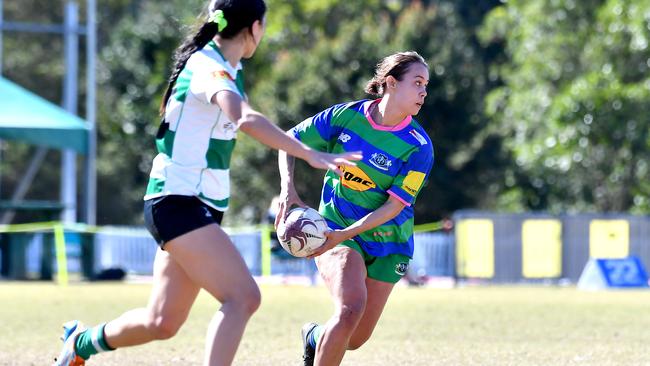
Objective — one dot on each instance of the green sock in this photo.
(91, 342)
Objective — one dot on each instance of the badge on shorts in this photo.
(401, 268)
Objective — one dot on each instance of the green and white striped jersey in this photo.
(197, 139)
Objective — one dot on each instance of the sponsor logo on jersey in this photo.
(355, 178)
(380, 161)
(401, 268)
(418, 137)
(413, 182)
(382, 234)
(343, 137)
(228, 126)
(222, 75)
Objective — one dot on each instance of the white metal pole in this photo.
(91, 113)
(70, 92)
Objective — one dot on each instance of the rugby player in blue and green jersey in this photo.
(369, 209)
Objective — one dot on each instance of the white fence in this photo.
(133, 250)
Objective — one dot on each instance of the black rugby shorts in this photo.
(169, 217)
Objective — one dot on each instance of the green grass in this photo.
(465, 326)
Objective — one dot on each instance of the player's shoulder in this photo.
(343, 113)
(355, 106)
(417, 136)
(208, 60)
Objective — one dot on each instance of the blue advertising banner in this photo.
(613, 273)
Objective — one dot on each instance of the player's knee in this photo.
(248, 300)
(351, 312)
(253, 300)
(163, 327)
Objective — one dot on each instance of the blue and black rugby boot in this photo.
(309, 352)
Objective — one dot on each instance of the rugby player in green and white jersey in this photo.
(369, 208)
(189, 190)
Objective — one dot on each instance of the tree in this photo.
(573, 104)
(316, 53)
(337, 56)
(135, 63)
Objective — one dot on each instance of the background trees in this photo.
(573, 105)
(532, 105)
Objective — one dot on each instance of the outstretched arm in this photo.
(260, 128)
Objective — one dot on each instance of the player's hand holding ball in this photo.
(334, 238)
(288, 198)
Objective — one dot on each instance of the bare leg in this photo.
(344, 273)
(378, 293)
(203, 258)
(212, 262)
(172, 296)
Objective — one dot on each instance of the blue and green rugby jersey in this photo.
(396, 161)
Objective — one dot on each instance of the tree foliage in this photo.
(331, 64)
(573, 105)
(316, 53)
(34, 61)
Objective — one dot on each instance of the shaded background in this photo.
(537, 106)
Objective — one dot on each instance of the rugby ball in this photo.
(302, 232)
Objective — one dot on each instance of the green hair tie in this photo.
(218, 18)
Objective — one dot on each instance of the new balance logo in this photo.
(344, 137)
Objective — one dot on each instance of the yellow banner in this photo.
(475, 248)
(609, 238)
(541, 251)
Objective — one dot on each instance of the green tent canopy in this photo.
(27, 117)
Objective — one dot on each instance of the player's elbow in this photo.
(248, 121)
(244, 123)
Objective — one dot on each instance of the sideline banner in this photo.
(600, 273)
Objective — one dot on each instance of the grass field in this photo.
(464, 326)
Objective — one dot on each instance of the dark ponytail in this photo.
(374, 87)
(183, 53)
(239, 14)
